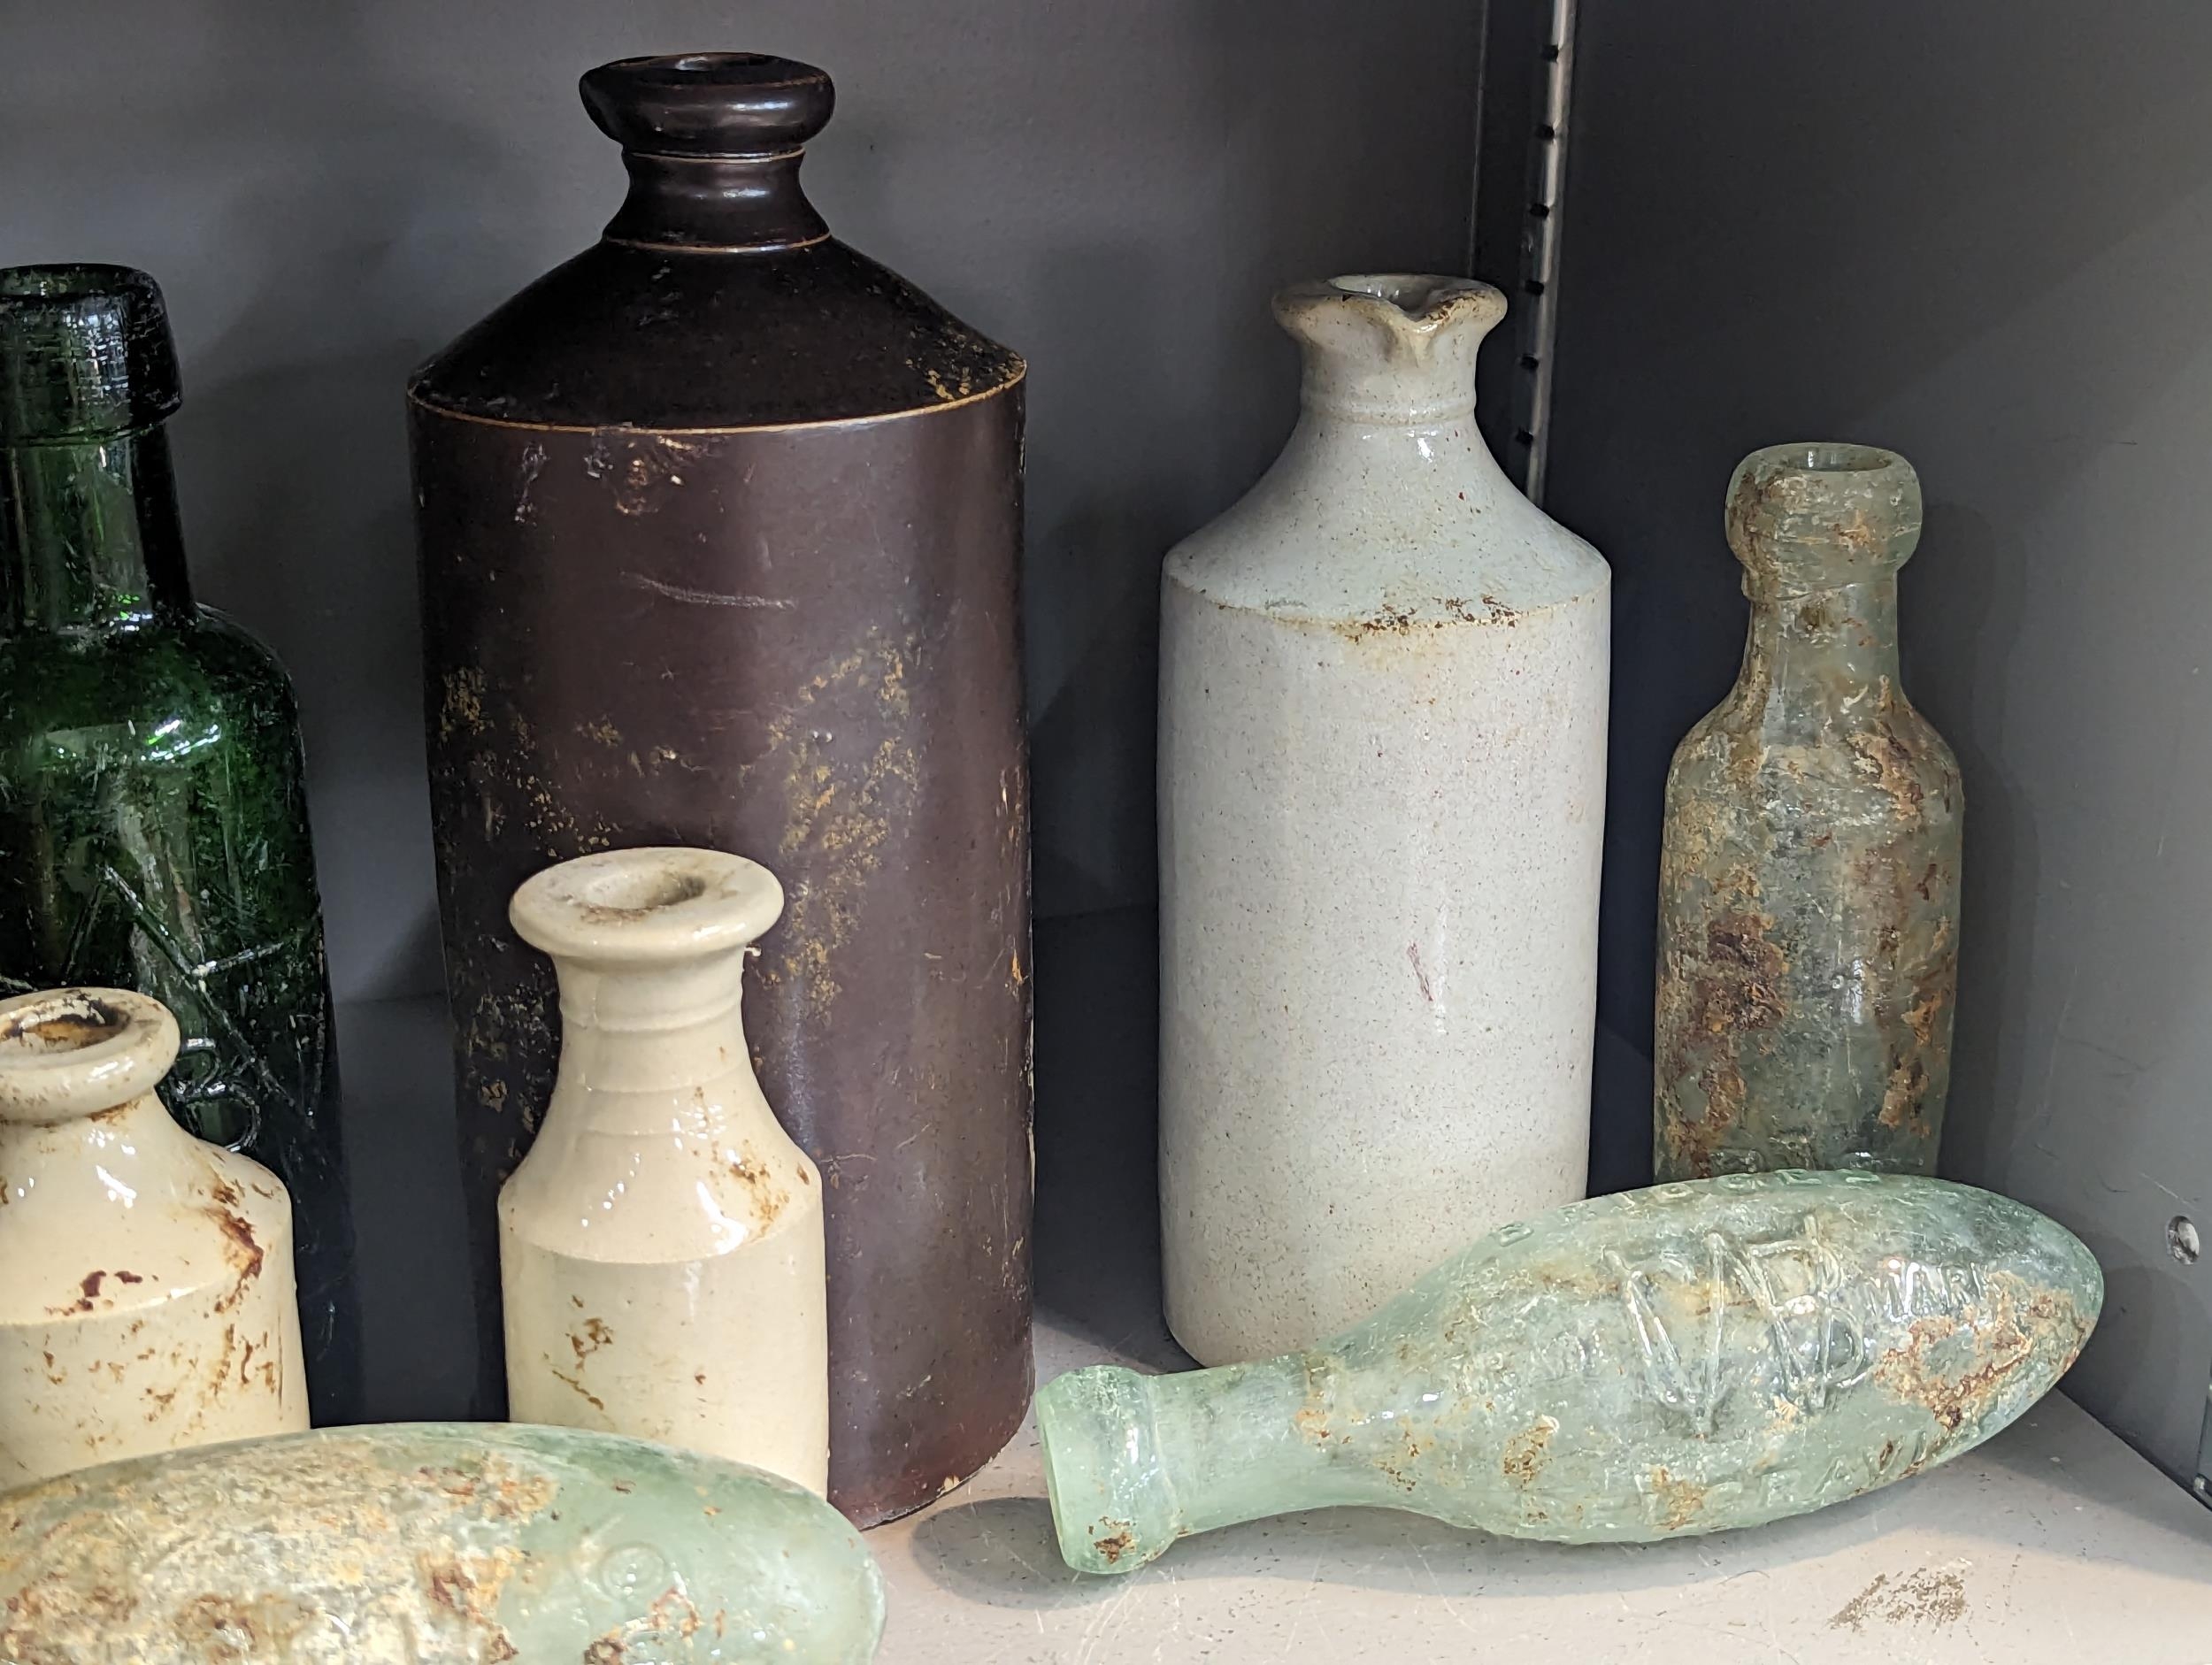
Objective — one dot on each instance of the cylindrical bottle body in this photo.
(1379, 860)
(1807, 952)
(181, 1329)
(723, 1353)
(797, 643)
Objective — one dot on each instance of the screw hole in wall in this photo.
(2182, 1241)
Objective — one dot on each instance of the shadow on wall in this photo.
(1966, 582)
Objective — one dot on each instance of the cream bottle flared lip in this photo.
(646, 905)
(75, 1051)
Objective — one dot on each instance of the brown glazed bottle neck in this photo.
(713, 143)
(752, 202)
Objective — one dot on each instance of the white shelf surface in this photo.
(2052, 1544)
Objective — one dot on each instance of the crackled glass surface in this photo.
(1808, 878)
(152, 809)
(432, 1543)
(1687, 1359)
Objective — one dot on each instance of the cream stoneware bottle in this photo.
(1382, 776)
(661, 1246)
(148, 1301)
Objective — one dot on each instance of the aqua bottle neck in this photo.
(1829, 649)
(1241, 1439)
(90, 540)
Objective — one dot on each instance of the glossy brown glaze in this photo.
(719, 525)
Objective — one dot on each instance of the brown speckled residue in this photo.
(88, 1291)
(241, 1247)
(1957, 1367)
(1679, 1501)
(1930, 1596)
(575, 1386)
(769, 1198)
(108, 1596)
(588, 1337)
(1527, 1452)
(840, 806)
(462, 709)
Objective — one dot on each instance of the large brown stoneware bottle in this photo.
(719, 528)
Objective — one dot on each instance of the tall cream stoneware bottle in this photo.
(661, 1248)
(1382, 776)
(148, 1300)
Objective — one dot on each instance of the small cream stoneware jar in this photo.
(661, 1248)
(147, 1300)
(1383, 685)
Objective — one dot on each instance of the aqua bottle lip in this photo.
(86, 355)
(1820, 514)
(1113, 1509)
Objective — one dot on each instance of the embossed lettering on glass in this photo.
(151, 801)
(1687, 1359)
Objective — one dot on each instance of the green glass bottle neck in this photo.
(89, 535)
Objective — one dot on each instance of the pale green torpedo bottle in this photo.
(1687, 1359)
(412, 1543)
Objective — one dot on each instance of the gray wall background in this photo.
(330, 192)
(1978, 233)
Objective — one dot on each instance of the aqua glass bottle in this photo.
(153, 820)
(1691, 1358)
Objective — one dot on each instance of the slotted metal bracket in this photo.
(2202, 1484)
(1538, 299)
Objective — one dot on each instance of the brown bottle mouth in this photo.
(728, 69)
(709, 104)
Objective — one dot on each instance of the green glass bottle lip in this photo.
(85, 354)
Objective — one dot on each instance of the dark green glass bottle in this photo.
(153, 821)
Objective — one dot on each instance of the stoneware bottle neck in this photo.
(78, 1070)
(712, 142)
(1390, 350)
(649, 947)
